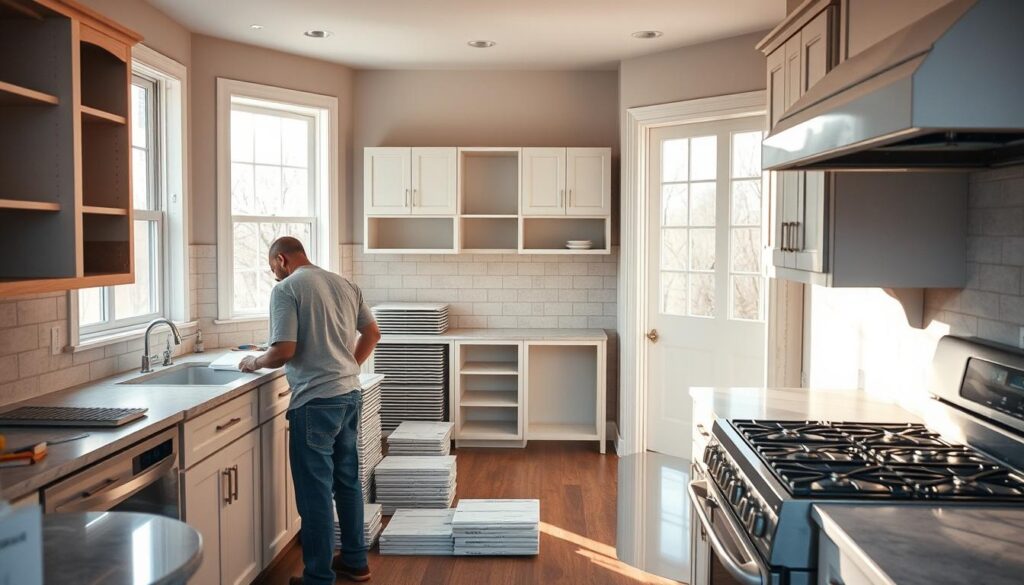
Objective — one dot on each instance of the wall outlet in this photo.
(56, 341)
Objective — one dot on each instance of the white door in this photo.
(434, 173)
(387, 183)
(588, 177)
(276, 477)
(707, 293)
(204, 489)
(543, 182)
(240, 539)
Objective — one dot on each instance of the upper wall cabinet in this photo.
(65, 169)
(566, 181)
(410, 181)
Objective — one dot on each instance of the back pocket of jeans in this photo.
(323, 423)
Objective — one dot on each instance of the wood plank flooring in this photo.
(577, 488)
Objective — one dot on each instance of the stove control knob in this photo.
(724, 475)
(744, 507)
(736, 491)
(758, 524)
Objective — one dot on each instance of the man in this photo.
(314, 317)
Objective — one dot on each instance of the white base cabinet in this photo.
(281, 520)
(222, 501)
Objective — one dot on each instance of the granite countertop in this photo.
(168, 406)
(929, 545)
(799, 404)
(504, 334)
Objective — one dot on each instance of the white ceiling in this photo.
(432, 34)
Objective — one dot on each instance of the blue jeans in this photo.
(325, 471)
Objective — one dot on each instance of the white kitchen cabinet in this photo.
(280, 517)
(836, 567)
(222, 501)
(543, 184)
(410, 181)
(566, 181)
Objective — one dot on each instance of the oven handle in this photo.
(112, 494)
(746, 572)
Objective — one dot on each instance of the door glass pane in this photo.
(674, 202)
(140, 297)
(702, 295)
(745, 250)
(746, 202)
(673, 293)
(702, 204)
(746, 297)
(704, 158)
(702, 249)
(673, 248)
(746, 155)
(674, 160)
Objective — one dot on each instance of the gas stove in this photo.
(764, 476)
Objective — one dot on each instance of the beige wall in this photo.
(213, 58)
(480, 108)
(158, 30)
(717, 68)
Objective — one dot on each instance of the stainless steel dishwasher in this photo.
(141, 478)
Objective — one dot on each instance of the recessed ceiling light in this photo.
(647, 34)
(318, 34)
(256, 26)
(481, 44)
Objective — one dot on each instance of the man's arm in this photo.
(369, 335)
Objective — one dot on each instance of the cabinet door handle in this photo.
(284, 393)
(570, 197)
(783, 238)
(228, 424)
(561, 198)
(414, 199)
(234, 482)
(226, 474)
(407, 198)
(703, 431)
(797, 245)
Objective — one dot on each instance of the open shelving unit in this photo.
(566, 397)
(405, 234)
(488, 394)
(489, 199)
(548, 235)
(65, 176)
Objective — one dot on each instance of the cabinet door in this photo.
(588, 177)
(240, 542)
(813, 224)
(434, 175)
(815, 50)
(292, 508)
(776, 86)
(276, 484)
(543, 182)
(387, 183)
(793, 65)
(204, 489)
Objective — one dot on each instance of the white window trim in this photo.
(328, 248)
(173, 130)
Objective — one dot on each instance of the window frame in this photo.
(326, 246)
(169, 132)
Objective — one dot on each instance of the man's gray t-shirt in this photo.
(322, 313)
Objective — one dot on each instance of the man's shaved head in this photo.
(286, 246)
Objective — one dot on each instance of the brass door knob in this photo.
(653, 335)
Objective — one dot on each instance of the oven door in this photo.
(722, 553)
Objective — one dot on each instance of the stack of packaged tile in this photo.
(415, 482)
(497, 527)
(416, 382)
(411, 318)
(421, 438)
(368, 443)
(372, 521)
(418, 532)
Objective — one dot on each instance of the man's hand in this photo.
(248, 364)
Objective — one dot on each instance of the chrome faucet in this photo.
(146, 357)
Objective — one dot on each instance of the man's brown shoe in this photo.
(351, 573)
(295, 581)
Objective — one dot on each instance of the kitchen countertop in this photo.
(502, 335)
(118, 548)
(168, 406)
(929, 545)
(799, 404)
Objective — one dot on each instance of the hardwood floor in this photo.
(577, 488)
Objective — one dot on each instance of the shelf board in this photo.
(489, 429)
(16, 95)
(490, 368)
(491, 398)
(564, 251)
(488, 251)
(97, 210)
(98, 115)
(488, 216)
(28, 205)
(12, 287)
(561, 432)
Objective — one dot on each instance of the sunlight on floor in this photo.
(603, 555)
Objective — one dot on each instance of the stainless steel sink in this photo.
(191, 374)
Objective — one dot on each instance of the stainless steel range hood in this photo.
(945, 92)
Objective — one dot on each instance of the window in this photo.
(747, 181)
(277, 178)
(160, 210)
(112, 307)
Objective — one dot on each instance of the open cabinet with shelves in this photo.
(64, 150)
(410, 234)
(488, 394)
(550, 235)
(567, 391)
